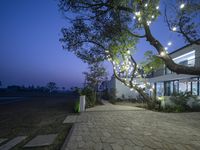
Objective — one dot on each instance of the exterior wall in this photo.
(123, 92)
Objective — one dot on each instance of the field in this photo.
(36, 115)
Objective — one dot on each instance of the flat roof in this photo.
(183, 47)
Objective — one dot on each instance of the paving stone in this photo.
(116, 147)
(12, 143)
(2, 140)
(70, 119)
(41, 140)
(113, 127)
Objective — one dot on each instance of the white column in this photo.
(82, 103)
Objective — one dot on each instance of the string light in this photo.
(157, 7)
(148, 23)
(174, 29)
(162, 54)
(169, 43)
(139, 19)
(131, 89)
(134, 17)
(182, 6)
(137, 13)
(152, 16)
(166, 48)
(146, 5)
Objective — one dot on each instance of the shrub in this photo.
(77, 107)
(184, 102)
(90, 97)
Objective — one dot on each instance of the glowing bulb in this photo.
(139, 19)
(128, 52)
(152, 16)
(162, 54)
(131, 89)
(182, 6)
(107, 51)
(134, 17)
(146, 5)
(166, 48)
(169, 43)
(148, 23)
(137, 13)
(174, 29)
(157, 7)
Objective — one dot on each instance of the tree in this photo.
(110, 29)
(51, 86)
(93, 78)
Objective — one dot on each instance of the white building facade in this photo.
(166, 82)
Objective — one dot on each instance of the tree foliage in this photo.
(105, 29)
(51, 86)
(93, 78)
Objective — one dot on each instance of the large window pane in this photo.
(160, 89)
(199, 87)
(176, 83)
(182, 86)
(194, 86)
(189, 84)
(169, 88)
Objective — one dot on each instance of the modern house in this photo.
(166, 82)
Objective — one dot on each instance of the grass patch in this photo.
(36, 116)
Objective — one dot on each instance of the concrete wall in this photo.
(121, 89)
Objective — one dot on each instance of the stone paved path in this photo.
(12, 143)
(41, 140)
(2, 140)
(113, 127)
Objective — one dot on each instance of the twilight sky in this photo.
(30, 51)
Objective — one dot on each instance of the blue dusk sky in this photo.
(30, 51)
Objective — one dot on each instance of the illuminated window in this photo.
(187, 59)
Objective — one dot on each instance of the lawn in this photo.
(34, 116)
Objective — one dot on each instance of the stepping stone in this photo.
(2, 140)
(41, 140)
(70, 119)
(12, 143)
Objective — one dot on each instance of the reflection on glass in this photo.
(182, 86)
(189, 86)
(160, 89)
(194, 86)
(169, 88)
(176, 83)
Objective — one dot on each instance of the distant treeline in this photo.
(16, 90)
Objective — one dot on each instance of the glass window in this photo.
(182, 86)
(176, 83)
(160, 89)
(189, 86)
(187, 59)
(169, 89)
(195, 86)
(199, 87)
